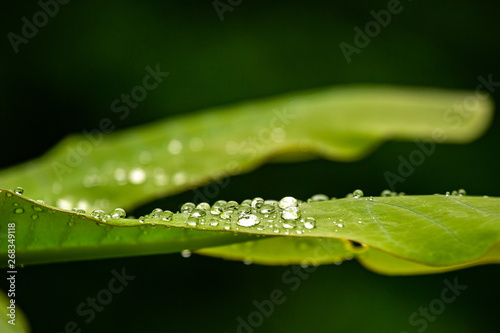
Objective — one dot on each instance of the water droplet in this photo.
(247, 261)
(267, 209)
(98, 214)
(118, 213)
(215, 221)
(462, 192)
(340, 225)
(310, 223)
(357, 194)
(203, 206)
(291, 213)
(246, 202)
(257, 202)
(166, 215)
(248, 220)
(187, 207)
(318, 197)
(447, 194)
(244, 209)
(288, 202)
(19, 190)
(34, 216)
(186, 253)
(271, 202)
(218, 207)
(142, 219)
(192, 221)
(198, 213)
(18, 210)
(156, 213)
(226, 215)
(37, 209)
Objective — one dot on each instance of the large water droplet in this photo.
(186, 253)
(248, 220)
(19, 190)
(291, 213)
(462, 192)
(288, 202)
(118, 213)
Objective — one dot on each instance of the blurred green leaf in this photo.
(132, 167)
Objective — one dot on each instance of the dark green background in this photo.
(64, 80)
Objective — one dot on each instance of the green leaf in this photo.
(135, 166)
(435, 230)
(45, 234)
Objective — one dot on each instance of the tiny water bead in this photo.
(461, 192)
(19, 190)
(310, 223)
(357, 194)
(19, 210)
(118, 213)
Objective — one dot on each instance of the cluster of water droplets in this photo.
(282, 216)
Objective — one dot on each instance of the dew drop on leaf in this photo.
(118, 213)
(288, 202)
(186, 253)
(98, 214)
(19, 190)
(166, 215)
(310, 223)
(291, 213)
(187, 207)
(156, 213)
(248, 220)
(18, 210)
(357, 194)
